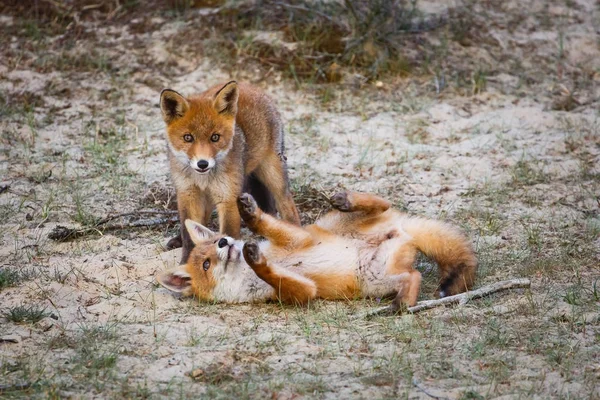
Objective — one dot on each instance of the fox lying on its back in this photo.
(363, 249)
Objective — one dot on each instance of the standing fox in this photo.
(226, 138)
(362, 249)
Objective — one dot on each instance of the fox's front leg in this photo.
(229, 219)
(280, 233)
(192, 204)
(290, 287)
(354, 201)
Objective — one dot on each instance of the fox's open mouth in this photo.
(202, 171)
(233, 254)
(231, 250)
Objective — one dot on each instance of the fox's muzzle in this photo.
(202, 165)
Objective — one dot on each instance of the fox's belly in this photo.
(332, 266)
(336, 286)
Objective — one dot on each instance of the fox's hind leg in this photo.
(272, 172)
(390, 271)
(380, 284)
(354, 215)
(401, 261)
(280, 233)
(264, 198)
(362, 202)
(290, 287)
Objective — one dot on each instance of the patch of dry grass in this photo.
(320, 41)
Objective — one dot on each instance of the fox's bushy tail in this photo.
(450, 248)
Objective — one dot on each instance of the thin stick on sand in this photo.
(461, 299)
(61, 233)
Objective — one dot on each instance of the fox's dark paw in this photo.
(253, 255)
(340, 201)
(398, 306)
(247, 206)
(174, 243)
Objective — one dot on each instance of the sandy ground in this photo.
(83, 138)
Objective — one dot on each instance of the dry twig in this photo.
(423, 389)
(14, 388)
(61, 233)
(461, 299)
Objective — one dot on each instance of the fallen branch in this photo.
(134, 213)
(62, 233)
(294, 7)
(10, 339)
(461, 299)
(419, 386)
(14, 388)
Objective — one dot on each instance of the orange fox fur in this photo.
(217, 140)
(363, 248)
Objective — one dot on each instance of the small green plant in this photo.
(106, 148)
(479, 81)
(471, 395)
(534, 235)
(573, 295)
(528, 172)
(416, 132)
(95, 355)
(9, 277)
(496, 335)
(23, 314)
(40, 176)
(194, 338)
(82, 213)
(94, 361)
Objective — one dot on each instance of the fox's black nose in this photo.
(202, 164)
(223, 242)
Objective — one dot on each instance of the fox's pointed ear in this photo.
(173, 105)
(176, 279)
(226, 99)
(198, 232)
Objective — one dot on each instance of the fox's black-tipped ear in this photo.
(176, 279)
(173, 105)
(226, 99)
(198, 232)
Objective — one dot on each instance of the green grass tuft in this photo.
(25, 314)
(9, 277)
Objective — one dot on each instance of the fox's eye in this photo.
(206, 265)
(215, 137)
(188, 138)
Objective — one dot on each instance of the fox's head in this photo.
(200, 129)
(215, 260)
